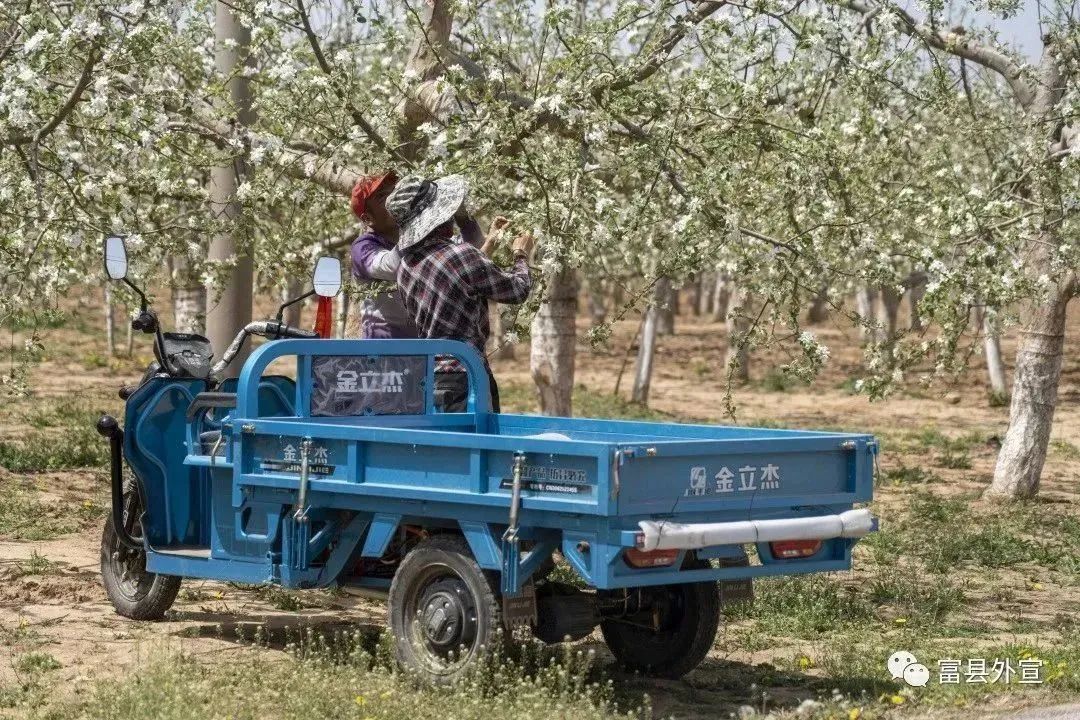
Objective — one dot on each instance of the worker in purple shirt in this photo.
(375, 258)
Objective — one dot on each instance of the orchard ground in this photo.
(949, 576)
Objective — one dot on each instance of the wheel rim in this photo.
(444, 630)
(128, 567)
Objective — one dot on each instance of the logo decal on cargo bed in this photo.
(750, 477)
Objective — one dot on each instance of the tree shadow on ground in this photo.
(718, 688)
(278, 631)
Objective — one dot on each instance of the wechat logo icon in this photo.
(904, 666)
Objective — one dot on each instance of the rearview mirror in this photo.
(327, 276)
(115, 258)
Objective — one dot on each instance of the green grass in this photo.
(1064, 450)
(776, 380)
(803, 606)
(36, 662)
(904, 475)
(57, 436)
(343, 679)
(36, 564)
(24, 517)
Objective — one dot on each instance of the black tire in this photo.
(689, 618)
(133, 592)
(439, 644)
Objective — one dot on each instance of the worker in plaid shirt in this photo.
(446, 283)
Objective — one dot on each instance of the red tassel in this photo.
(324, 317)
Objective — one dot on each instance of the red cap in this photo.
(365, 187)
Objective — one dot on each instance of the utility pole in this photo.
(229, 307)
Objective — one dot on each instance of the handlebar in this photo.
(271, 329)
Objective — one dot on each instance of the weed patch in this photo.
(803, 605)
(24, 517)
(349, 681)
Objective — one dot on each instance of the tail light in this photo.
(651, 558)
(324, 317)
(790, 549)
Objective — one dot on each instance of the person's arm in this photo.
(372, 261)
(494, 283)
(473, 235)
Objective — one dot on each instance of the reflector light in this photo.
(652, 558)
(788, 549)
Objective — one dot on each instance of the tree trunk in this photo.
(501, 348)
(188, 298)
(231, 309)
(554, 338)
(737, 361)
(721, 297)
(344, 305)
(705, 298)
(695, 294)
(887, 311)
(293, 287)
(865, 300)
(819, 308)
(995, 366)
(1038, 355)
(647, 351)
(189, 309)
(110, 321)
(597, 306)
(916, 290)
(1034, 396)
(667, 298)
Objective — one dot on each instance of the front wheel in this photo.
(445, 610)
(133, 592)
(670, 631)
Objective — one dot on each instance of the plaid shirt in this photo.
(446, 286)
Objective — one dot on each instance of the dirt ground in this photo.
(64, 611)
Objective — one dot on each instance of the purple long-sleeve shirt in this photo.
(382, 315)
(376, 259)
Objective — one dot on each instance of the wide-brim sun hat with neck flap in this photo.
(419, 205)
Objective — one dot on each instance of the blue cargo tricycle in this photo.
(349, 476)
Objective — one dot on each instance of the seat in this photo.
(207, 441)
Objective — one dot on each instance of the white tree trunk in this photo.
(501, 348)
(110, 321)
(554, 338)
(647, 350)
(737, 362)
(344, 303)
(1034, 396)
(865, 301)
(721, 297)
(668, 299)
(705, 298)
(189, 309)
(995, 366)
(231, 308)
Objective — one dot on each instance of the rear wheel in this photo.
(134, 592)
(670, 630)
(445, 610)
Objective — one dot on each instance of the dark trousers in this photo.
(452, 391)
